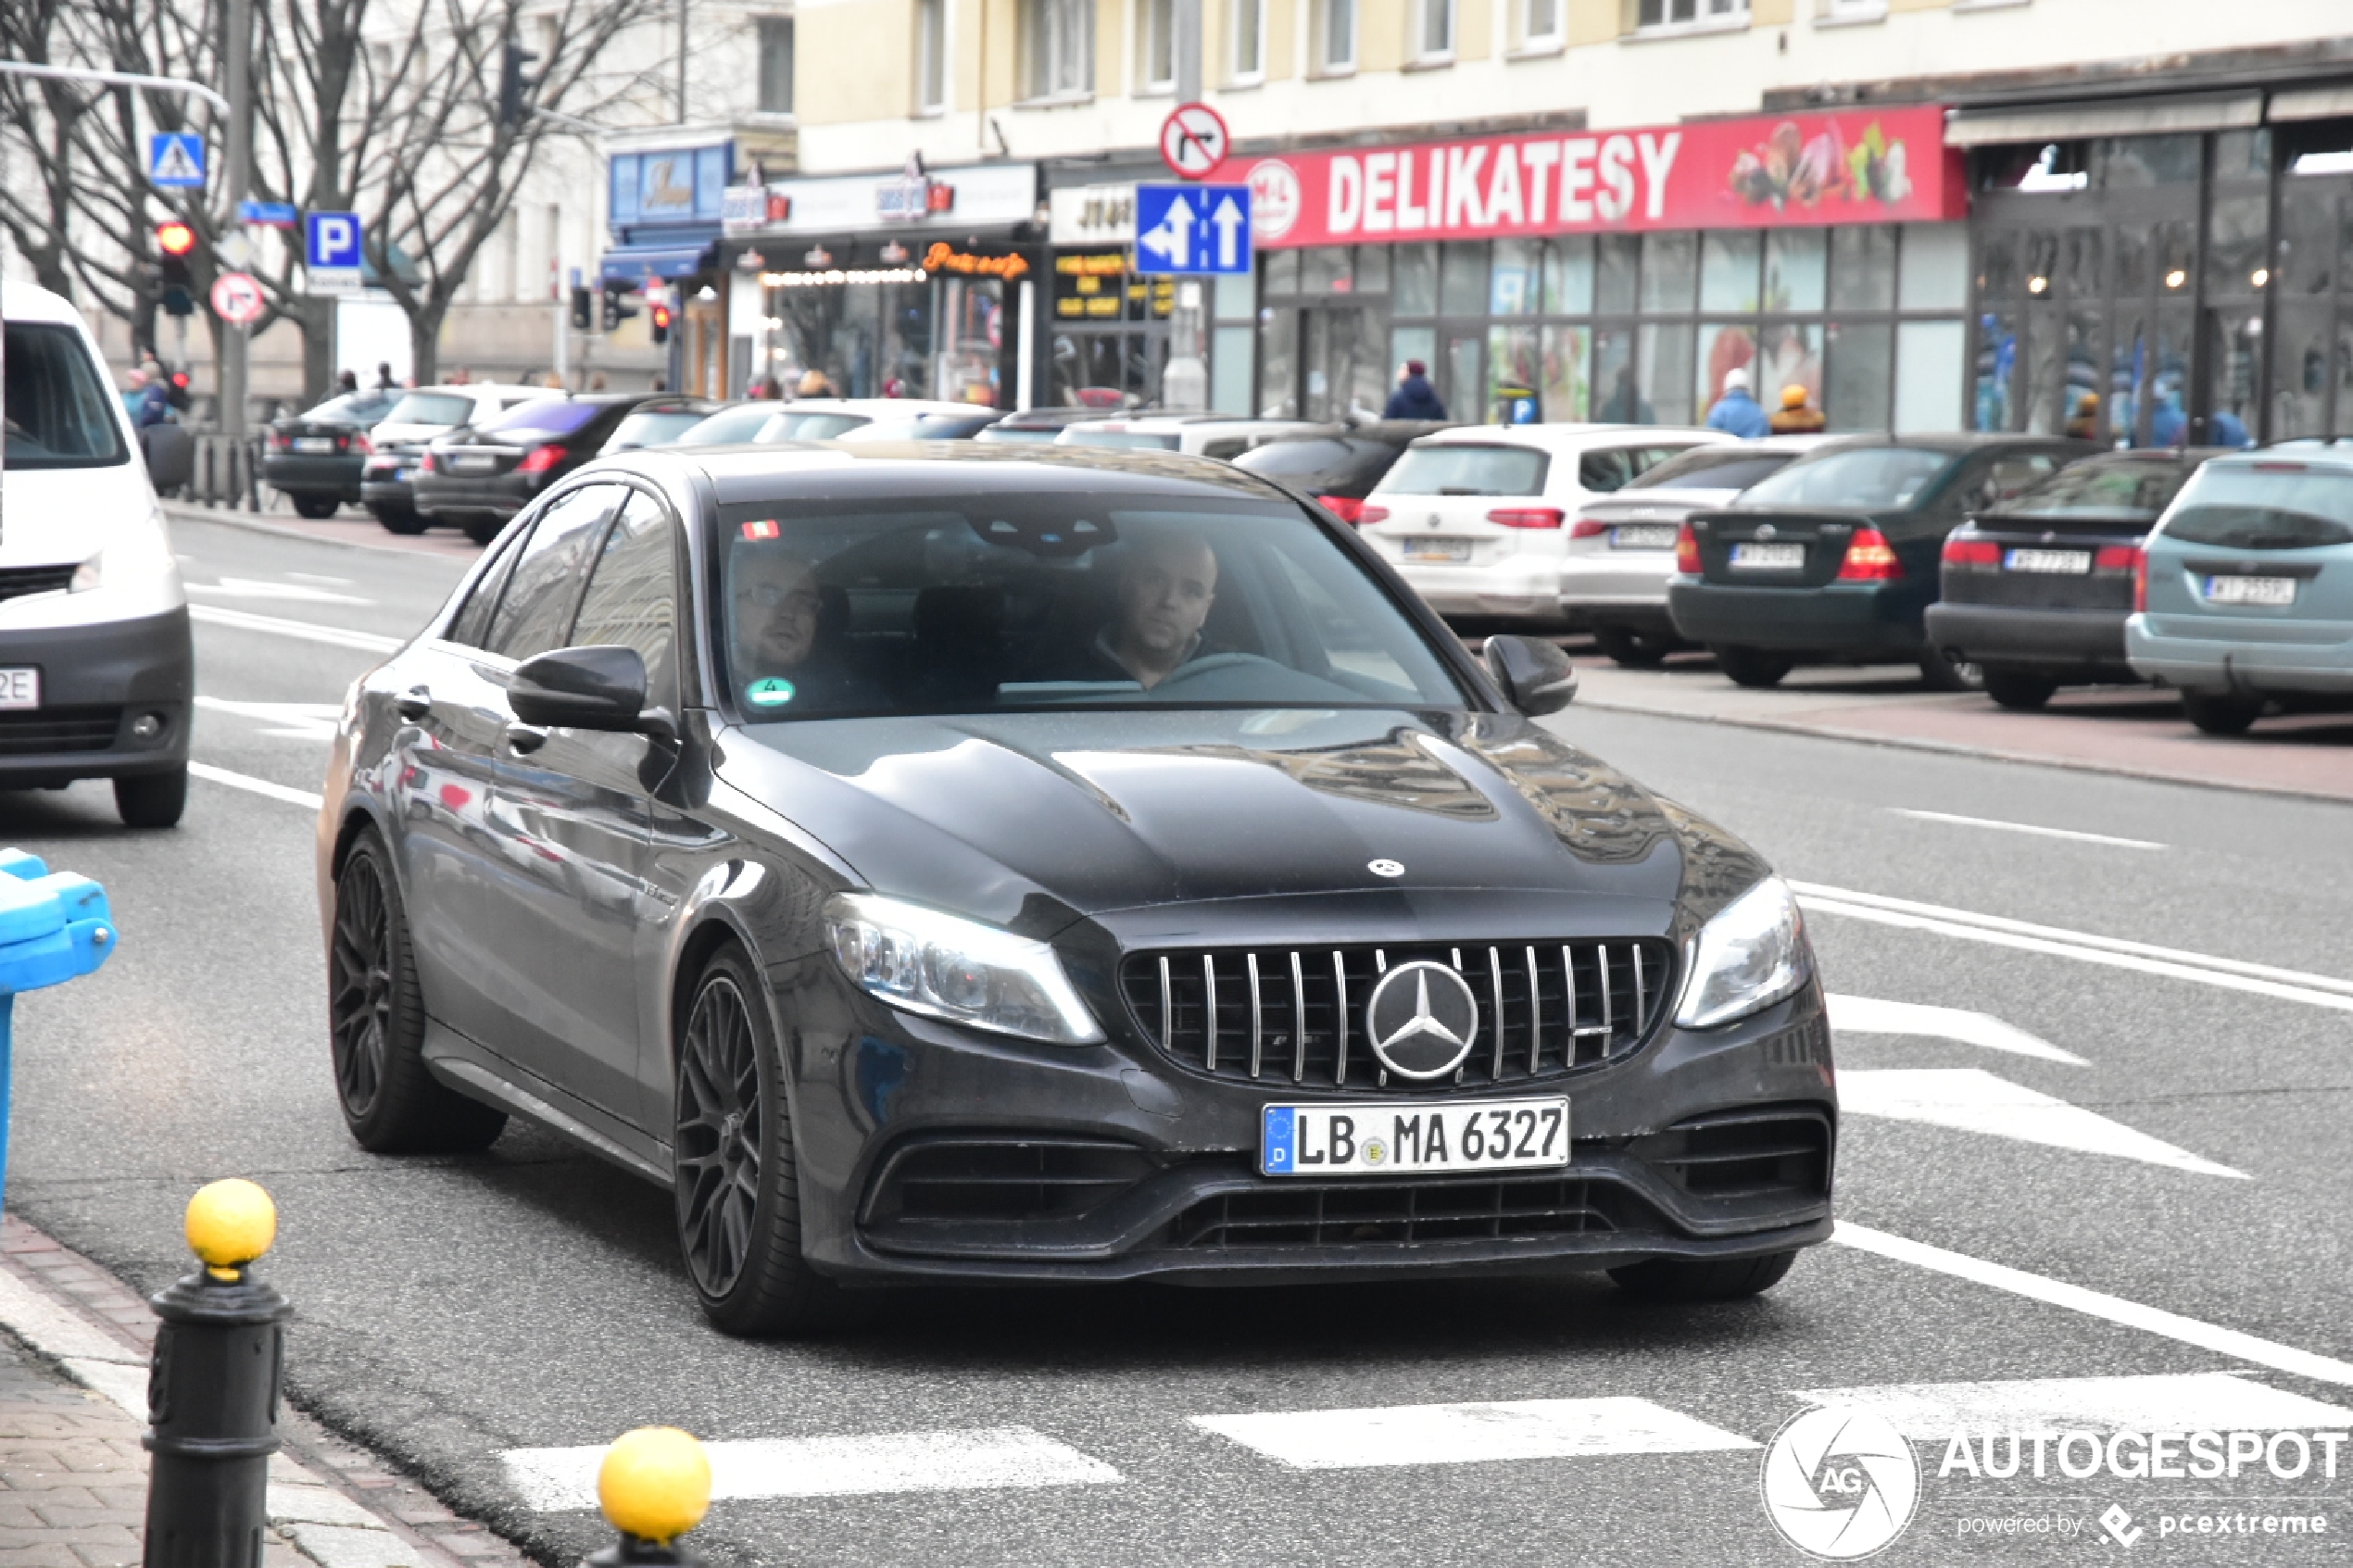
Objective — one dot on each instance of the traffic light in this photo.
(174, 284)
(659, 320)
(514, 88)
(582, 308)
(619, 307)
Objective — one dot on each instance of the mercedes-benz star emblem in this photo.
(1421, 1019)
(1386, 868)
(1766, 530)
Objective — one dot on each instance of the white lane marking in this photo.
(299, 721)
(2233, 975)
(245, 621)
(1467, 1434)
(2198, 1402)
(316, 577)
(259, 786)
(262, 588)
(2026, 827)
(551, 1480)
(1972, 1100)
(2098, 1304)
(1871, 1015)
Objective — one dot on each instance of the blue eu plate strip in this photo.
(1279, 1140)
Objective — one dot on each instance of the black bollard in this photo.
(212, 1391)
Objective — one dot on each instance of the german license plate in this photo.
(1413, 1139)
(1642, 536)
(20, 688)
(2061, 563)
(473, 462)
(1422, 547)
(1768, 558)
(402, 476)
(314, 444)
(2250, 590)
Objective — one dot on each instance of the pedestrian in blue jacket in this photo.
(1415, 397)
(1736, 412)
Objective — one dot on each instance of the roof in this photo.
(29, 302)
(1565, 437)
(881, 468)
(1183, 422)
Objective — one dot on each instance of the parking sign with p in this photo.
(331, 251)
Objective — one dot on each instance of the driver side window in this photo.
(544, 588)
(632, 599)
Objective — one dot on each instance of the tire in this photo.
(1685, 1279)
(1632, 650)
(738, 1187)
(2221, 713)
(318, 508)
(2019, 689)
(1752, 667)
(482, 528)
(1944, 674)
(403, 520)
(152, 800)
(376, 1023)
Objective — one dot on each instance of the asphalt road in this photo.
(452, 1311)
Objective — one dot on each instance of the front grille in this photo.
(1393, 1214)
(1296, 1015)
(39, 731)
(15, 581)
(1004, 1180)
(1768, 1152)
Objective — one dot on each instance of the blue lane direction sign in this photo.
(269, 215)
(1194, 229)
(175, 160)
(331, 251)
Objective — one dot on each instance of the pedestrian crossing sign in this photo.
(175, 160)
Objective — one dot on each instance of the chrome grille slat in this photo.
(1298, 1021)
(1495, 991)
(1535, 1016)
(1168, 1009)
(1209, 986)
(1340, 1015)
(1250, 962)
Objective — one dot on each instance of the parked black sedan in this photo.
(2035, 593)
(968, 863)
(315, 457)
(1834, 558)
(479, 477)
(1339, 467)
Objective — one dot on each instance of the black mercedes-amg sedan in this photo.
(957, 863)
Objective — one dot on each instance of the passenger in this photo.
(784, 658)
(1165, 590)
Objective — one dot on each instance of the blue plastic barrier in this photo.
(54, 926)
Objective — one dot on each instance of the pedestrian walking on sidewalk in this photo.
(1415, 397)
(1736, 412)
(1796, 416)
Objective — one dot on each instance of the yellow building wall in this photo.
(1592, 21)
(1474, 29)
(1111, 44)
(1282, 39)
(1918, 5)
(1772, 13)
(1380, 34)
(857, 62)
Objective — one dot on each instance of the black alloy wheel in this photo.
(2221, 713)
(317, 507)
(735, 1177)
(2020, 689)
(1942, 672)
(1752, 667)
(1689, 1279)
(1635, 649)
(376, 1023)
(398, 519)
(482, 528)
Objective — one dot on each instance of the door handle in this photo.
(415, 704)
(525, 738)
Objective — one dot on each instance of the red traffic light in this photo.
(662, 317)
(175, 238)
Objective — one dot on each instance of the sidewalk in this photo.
(2130, 730)
(73, 1478)
(350, 526)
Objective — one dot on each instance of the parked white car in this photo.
(1226, 436)
(1621, 546)
(875, 419)
(1476, 518)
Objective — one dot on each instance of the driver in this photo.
(1165, 592)
(784, 661)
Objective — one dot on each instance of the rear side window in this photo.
(1613, 467)
(632, 597)
(544, 420)
(1292, 458)
(2012, 477)
(61, 413)
(536, 609)
(2131, 487)
(653, 427)
(432, 408)
(1464, 470)
(2264, 506)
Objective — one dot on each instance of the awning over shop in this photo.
(2113, 117)
(628, 266)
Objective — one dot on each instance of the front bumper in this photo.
(2069, 641)
(97, 681)
(313, 475)
(1135, 1167)
(1521, 588)
(2200, 653)
(1838, 620)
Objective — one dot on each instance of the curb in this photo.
(335, 1505)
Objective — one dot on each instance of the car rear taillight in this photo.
(2140, 582)
(2118, 558)
(1972, 553)
(1687, 551)
(1367, 512)
(424, 463)
(540, 459)
(279, 440)
(361, 445)
(1588, 528)
(1348, 508)
(1527, 517)
(1870, 559)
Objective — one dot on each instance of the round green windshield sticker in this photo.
(774, 692)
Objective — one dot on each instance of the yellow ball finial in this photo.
(229, 1224)
(655, 1483)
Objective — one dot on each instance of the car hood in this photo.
(1032, 820)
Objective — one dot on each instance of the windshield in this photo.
(2267, 505)
(1056, 600)
(542, 421)
(652, 428)
(2139, 488)
(1863, 477)
(1292, 459)
(1019, 433)
(729, 425)
(60, 410)
(920, 427)
(1711, 468)
(351, 409)
(432, 408)
(1125, 440)
(1443, 470)
(788, 426)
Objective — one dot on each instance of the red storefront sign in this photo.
(1863, 166)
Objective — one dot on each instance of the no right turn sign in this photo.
(1193, 140)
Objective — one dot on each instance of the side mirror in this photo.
(171, 455)
(1535, 675)
(591, 688)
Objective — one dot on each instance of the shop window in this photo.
(1156, 45)
(1863, 266)
(1933, 267)
(1282, 271)
(1615, 264)
(1995, 372)
(1617, 399)
(1372, 269)
(1670, 263)
(1724, 346)
(1665, 354)
(1246, 21)
(1433, 30)
(1788, 354)
(1336, 37)
(1927, 374)
(1568, 275)
(1797, 269)
(1859, 389)
(1670, 15)
(1278, 364)
(1234, 298)
(776, 38)
(1412, 342)
(1563, 390)
(1058, 48)
(1514, 285)
(2238, 238)
(1459, 385)
(1515, 373)
(1413, 280)
(1540, 24)
(1462, 278)
(2243, 154)
(1727, 274)
(931, 55)
(2132, 162)
(1327, 269)
(1230, 369)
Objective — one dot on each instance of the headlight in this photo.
(959, 970)
(1750, 956)
(89, 573)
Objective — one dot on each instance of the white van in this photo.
(97, 670)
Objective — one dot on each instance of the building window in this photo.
(1058, 45)
(1336, 43)
(1434, 30)
(1156, 45)
(1540, 24)
(1249, 18)
(775, 65)
(931, 55)
(1668, 16)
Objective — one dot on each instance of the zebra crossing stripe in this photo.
(1467, 1434)
(2178, 1403)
